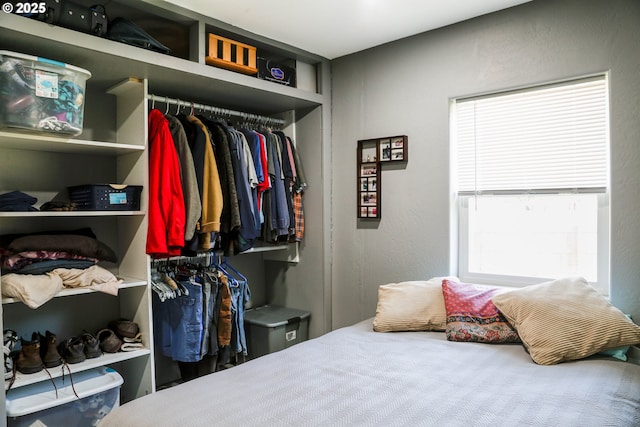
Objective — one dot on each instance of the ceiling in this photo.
(334, 28)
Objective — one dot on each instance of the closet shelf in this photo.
(106, 359)
(43, 214)
(127, 283)
(55, 144)
(171, 76)
(266, 248)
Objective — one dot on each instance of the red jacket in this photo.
(166, 215)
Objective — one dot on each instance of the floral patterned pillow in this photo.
(472, 316)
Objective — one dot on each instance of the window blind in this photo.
(546, 139)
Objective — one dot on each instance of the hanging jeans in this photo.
(240, 295)
(210, 293)
(181, 323)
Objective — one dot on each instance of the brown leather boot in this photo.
(29, 360)
(48, 351)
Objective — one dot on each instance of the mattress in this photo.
(357, 377)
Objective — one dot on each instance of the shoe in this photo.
(109, 341)
(124, 328)
(91, 345)
(10, 339)
(48, 350)
(29, 360)
(72, 350)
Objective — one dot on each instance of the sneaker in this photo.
(48, 350)
(10, 339)
(72, 350)
(91, 345)
(29, 360)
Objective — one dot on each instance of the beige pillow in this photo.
(411, 306)
(564, 320)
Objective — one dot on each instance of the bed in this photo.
(357, 376)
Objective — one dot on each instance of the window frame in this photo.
(460, 213)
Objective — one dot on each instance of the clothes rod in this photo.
(216, 110)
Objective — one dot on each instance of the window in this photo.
(532, 184)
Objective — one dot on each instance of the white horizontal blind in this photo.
(546, 139)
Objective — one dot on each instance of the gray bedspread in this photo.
(356, 377)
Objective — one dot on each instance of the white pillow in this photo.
(411, 306)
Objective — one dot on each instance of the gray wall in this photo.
(405, 87)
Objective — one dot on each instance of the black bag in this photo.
(91, 20)
(125, 31)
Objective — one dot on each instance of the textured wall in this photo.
(405, 87)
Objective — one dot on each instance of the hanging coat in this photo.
(166, 212)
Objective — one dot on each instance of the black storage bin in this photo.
(106, 197)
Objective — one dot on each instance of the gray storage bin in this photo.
(272, 328)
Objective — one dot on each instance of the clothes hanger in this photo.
(237, 273)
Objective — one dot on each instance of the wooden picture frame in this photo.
(371, 155)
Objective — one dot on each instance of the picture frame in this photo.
(371, 155)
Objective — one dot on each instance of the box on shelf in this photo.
(272, 328)
(106, 197)
(231, 55)
(276, 72)
(40, 94)
(37, 404)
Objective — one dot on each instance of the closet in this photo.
(113, 149)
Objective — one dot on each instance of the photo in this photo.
(364, 212)
(372, 184)
(367, 199)
(385, 150)
(397, 142)
(373, 212)
(397, 154)
(364, 184)
(368, 170)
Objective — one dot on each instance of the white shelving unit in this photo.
(112, 148)
(71, 162)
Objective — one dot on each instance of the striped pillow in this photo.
(410, 306)
(565, 320)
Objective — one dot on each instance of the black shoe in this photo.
(48, 350)
(72, 350)
(91, 345)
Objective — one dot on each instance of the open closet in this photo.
(126, 83)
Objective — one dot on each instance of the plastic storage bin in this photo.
(37, 404)
(106, 197)
(40, 94)
(272, 328)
